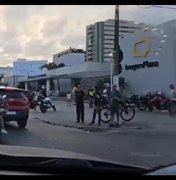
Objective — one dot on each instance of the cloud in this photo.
(74, 41)
(53, 28)
(39, 31)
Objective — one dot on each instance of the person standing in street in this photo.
(97, 106)
(90, 95)
(116, 98)
(73, 92)
(79, 95)
(69, 98)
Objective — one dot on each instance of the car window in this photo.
(12, 94)
(15, 95)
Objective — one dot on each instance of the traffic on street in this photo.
(87, 90)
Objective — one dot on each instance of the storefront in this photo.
(150, 59)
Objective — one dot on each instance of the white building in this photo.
(100, 38)
(150, 59)
(24, 68)
(70, 57)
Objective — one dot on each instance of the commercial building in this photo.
(150, 59)
(23, 68)
(70, 57)
(149, 63)
(100, 38)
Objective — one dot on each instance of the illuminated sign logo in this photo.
(142, 48)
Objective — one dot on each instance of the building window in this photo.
(127, 31)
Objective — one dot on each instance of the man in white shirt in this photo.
(69, 98)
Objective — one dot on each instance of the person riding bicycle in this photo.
(116, 98)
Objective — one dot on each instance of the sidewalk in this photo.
(66, 117)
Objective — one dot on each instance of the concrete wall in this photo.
(87, 69)
(28, 67)
(5, 70)
(11, 80)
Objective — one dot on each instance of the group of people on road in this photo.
(96, 99)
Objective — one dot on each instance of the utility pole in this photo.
(116, 48)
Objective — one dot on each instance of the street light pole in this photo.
(111, 69)
(112, 64)
(116, 48)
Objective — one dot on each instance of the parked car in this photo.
(17, 105)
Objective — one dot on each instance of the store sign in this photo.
(137, 52)
(145, 64)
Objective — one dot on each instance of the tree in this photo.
(52, 65)
(60, 65)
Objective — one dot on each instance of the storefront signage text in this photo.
(145, 64)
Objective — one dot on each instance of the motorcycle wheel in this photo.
(43, 109)
(141, 106)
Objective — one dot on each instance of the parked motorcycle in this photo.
(139, 101)
(46, 103)
(160, 102)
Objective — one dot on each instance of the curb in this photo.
(90, 129)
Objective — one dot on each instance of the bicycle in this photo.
(124, 110)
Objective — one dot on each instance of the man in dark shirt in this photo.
(97, 106)
(79, 94)
(116, 98)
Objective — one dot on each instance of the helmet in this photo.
(159, 93)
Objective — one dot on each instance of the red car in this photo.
(17, 105)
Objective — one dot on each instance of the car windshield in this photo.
(102, 80)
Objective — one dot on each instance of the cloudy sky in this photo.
(38, 32)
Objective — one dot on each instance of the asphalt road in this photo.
(148, 140)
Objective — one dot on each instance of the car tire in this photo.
(22, 122)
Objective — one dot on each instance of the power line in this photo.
(157, 6)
